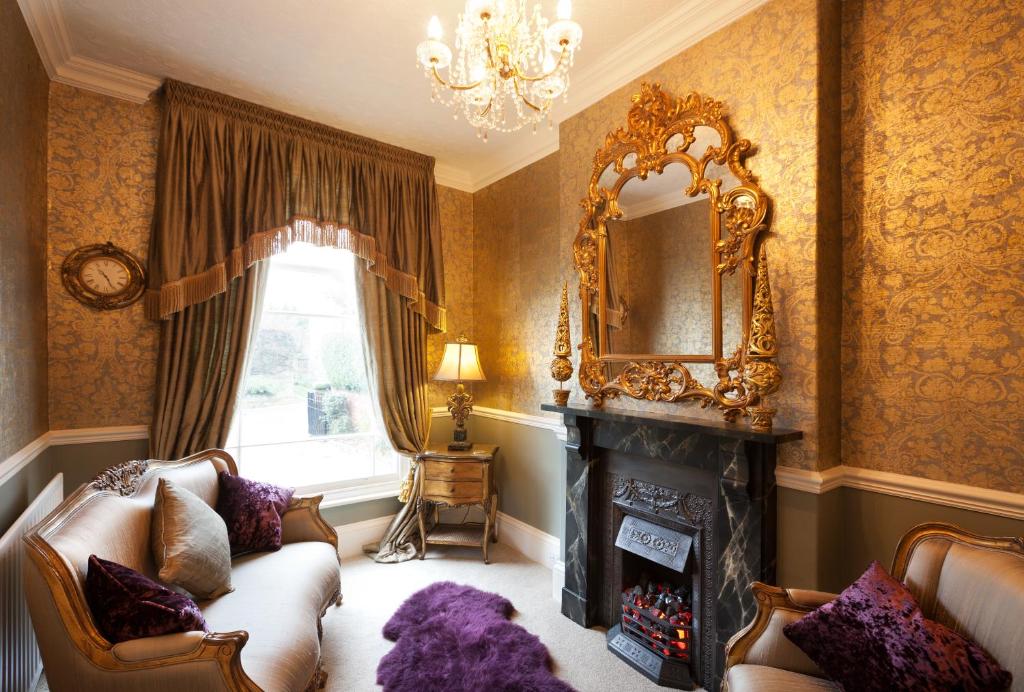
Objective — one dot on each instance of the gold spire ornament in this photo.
(761, 374)
(561, 366)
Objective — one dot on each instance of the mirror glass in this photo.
(659, 272)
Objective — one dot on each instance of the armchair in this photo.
(970, 583)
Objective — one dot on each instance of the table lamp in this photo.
(460, 363)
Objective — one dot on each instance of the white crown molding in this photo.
(546, 143)
(104, 78)
(969, 497)
(688, 24)
(45, 21)
(450, 176)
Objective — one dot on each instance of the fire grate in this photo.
(660, 617)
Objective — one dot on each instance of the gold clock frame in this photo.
(751, 373)
(71, 276)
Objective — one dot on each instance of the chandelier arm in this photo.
(545, 75)
(454, 87)
(486, 110)
(525, 100)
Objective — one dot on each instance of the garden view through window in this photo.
(304, 416)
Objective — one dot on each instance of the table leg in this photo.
(484, 542)
(494, 518)
(423, 531)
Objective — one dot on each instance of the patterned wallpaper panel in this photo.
(519, 263)
(102, 167)
(457, 248)
(933, 239)
(22, 235)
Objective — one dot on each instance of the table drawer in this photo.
(453, 471)
(461, 491)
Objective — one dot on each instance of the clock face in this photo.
(104, 276)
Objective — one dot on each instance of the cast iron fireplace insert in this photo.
(685, 503)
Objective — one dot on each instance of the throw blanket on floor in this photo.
(454, 638)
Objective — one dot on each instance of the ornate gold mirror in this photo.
(673, 276)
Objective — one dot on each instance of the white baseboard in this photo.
(352, 537)
(998, 502)
(530, 541)
(557, 581)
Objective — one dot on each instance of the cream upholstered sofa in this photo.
(263, 635)
(972, 584)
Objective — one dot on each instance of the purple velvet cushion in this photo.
(874, 637)
(128, 605)
(252, 512)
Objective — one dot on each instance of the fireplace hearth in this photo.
(668, 520)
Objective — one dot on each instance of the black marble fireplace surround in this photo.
(709, 479)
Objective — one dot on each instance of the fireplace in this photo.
(668, 520)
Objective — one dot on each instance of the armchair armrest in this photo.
(762, 642)
(164, 646)
(302, 521)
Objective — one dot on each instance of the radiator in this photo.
(20, 664)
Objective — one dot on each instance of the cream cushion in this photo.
(278, 600)
(190, 542)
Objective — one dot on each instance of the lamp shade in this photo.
(461, 363)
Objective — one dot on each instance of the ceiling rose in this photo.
(508, 67)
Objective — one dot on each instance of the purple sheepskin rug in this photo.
(455, 638)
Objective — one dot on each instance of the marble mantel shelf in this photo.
(708, 426)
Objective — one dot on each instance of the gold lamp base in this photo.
(460, 404)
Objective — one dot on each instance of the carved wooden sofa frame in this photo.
(301, 522)
(763, 642)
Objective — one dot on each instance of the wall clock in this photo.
(103, 276)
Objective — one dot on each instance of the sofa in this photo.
(264, 635)
(972, 584)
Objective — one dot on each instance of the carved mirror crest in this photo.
(672, 270)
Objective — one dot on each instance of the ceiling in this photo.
(350, 64)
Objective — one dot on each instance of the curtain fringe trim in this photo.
(175, 296)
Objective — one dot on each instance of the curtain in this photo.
(395, 349)
(236, 184)
(203, 350)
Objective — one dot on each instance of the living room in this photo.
(475, 345)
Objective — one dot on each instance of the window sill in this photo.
(366, 493)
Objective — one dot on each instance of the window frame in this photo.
(339, 492)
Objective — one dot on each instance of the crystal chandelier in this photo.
(510, 65)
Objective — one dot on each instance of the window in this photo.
(304, 416)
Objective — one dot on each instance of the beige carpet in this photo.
(353, 644)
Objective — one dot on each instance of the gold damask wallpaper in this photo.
(457, 248)
(518, 260)
(102, 163)
(933, 249)
(22, 235)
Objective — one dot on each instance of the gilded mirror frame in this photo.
(750, 374)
